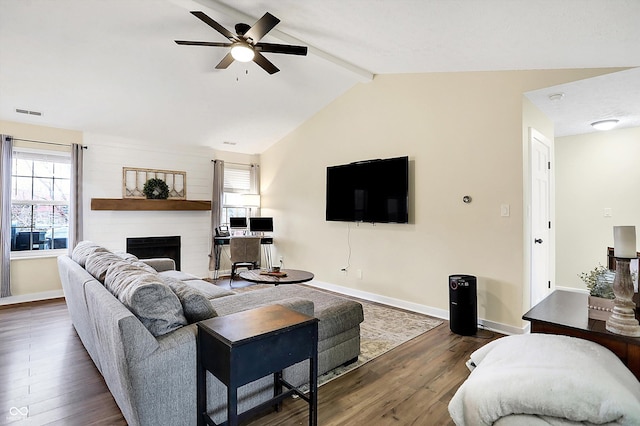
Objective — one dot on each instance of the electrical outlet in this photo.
(359, 274)
(281, 259)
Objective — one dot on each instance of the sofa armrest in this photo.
(161, 264)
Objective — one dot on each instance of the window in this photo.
(237, 183)
(40, 195)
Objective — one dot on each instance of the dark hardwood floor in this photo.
(45, 369)
(46, 375)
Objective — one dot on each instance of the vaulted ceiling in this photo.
(112, 67)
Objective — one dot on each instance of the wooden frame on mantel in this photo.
(133, 180)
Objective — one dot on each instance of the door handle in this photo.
(538, 241)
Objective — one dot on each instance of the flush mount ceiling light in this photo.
(242, 52)
(605, 124)
(556, 96)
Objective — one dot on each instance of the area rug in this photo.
(383, 329)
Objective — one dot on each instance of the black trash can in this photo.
(463, 301)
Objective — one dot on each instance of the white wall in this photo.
(103, 163)
(594, 171)
(36, 277)
(463, 133)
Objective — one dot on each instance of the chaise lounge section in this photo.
(132, 318)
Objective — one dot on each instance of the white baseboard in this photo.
(575, 290)
(32, 297)
(414, 307)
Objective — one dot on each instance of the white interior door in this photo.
(540, 166)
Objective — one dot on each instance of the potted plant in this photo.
(599, 282)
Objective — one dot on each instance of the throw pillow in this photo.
(83, 249)
(195, 304)
(98, 262)
(142, 266)
(126, 256)
(147, 297)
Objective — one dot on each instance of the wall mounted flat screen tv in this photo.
(375, 191)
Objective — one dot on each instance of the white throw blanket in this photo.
(555, 378)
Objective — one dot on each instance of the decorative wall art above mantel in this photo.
(151, 183)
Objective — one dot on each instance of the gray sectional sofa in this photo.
(137, 321)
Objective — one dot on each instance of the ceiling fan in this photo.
(245, 44)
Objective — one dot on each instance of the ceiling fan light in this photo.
(242, 52)
(605, 124)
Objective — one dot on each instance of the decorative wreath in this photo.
(156, 189)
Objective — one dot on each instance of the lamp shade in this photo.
(624, 242)
(242, 52)
(250, 200)
(234, 199)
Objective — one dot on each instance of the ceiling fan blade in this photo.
(202, 43)
(260, 28)
(225, 62)
(282, 48)
(213, 24)
(265, 64)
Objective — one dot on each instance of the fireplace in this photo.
(148, 247)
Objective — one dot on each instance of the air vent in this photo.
(26, 111)
(229, 143)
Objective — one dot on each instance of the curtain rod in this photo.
(235, 164)
(46, 143)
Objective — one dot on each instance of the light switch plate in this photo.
(505, 210)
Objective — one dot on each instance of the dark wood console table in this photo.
(243, 347)
(567, 313)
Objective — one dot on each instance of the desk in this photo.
(567, 313)
(219, 242)
(243, 347)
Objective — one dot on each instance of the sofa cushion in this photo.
(212, 291)
(195, 305)
(83, 249)
(336, 314)
(178, 275)
(98, 262)
(146, 296)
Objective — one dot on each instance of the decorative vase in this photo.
(600, 308)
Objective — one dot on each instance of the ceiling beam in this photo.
(363, 75)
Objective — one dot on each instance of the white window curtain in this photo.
(254, 176)
(216, 206)
(75, 206)
(6, 148)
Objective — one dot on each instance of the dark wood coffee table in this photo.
(294, 276)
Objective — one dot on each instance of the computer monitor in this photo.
(237, 222)
(261, 224)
